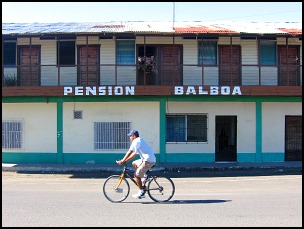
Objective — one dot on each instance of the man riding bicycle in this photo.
(147, 159)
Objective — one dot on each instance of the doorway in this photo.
(225, 138)
(293, 138)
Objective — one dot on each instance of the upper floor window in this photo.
(66, 53)
(9, 53)
(268, 52)
(186, 128)
(209, 52)
(125, 51)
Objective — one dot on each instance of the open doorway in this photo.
(147, 73)
(225, 138)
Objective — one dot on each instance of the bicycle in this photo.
(116, 188)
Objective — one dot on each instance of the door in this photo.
(29, 65)
(171, 65)
(230, 65)
(225, 138)
(289, 69)
(88, 65)
(293, 138)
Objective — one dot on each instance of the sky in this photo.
(52, 12)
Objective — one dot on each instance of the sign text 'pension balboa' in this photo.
(130, 90)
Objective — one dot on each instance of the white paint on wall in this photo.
(79, 133)
(273, 133)
(39, 125)
(246, 124)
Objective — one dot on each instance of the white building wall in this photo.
(39, 125)
(273, 121)
(79, 133)
(250, 74)
(192, 75)
(107, 61)
(246, 125)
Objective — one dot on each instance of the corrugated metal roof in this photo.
(145, 27)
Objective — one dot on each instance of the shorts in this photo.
(143, 167)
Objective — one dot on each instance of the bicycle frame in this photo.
(125, 173)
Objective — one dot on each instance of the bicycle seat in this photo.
(150, 168)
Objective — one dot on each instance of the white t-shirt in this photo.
(141, 147)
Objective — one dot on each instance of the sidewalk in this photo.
(187, 166)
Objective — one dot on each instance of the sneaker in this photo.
(140, 194)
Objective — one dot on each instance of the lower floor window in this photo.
(12, 132)
(111, 135)
(186, 128)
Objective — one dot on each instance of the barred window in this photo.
(12, 132)
(111, 135)
(186, 128)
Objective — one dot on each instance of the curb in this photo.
(167, 167)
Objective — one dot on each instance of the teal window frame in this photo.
(268, 52)
(210, 52)
(186, 128)
(125, 52)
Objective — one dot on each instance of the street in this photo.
(77, 200)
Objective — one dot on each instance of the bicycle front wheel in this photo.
(161, 189)
(116, 190)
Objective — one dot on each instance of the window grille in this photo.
(111, 135)
(77, 114)
(12, 134)
(186, 128)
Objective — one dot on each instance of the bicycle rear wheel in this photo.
(161, 189)
(114, 191)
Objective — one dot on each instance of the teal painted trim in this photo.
(110, 158)
(162, 129)
(95, 158)
(91, 158)
(190, 157)
(181, 98)
(246, 157)
(35, 158)
(258, 128)
(25, 99)
(273, 157)
(59, 132)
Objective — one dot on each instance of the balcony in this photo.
(156, 79)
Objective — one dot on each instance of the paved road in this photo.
(32, 200)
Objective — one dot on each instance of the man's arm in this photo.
(129, 156)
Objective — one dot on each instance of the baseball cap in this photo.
(133, 132)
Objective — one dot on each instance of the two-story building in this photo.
(195, 91)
